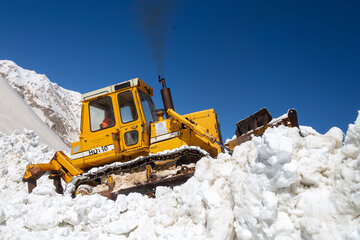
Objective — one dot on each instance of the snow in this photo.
(15, 114)
(278, 186)
(57, 107)
(352, 140)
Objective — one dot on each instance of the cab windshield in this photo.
(127, 107)
(148, 107)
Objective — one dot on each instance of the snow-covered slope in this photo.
(278, 186)
(15, 114)
(57, 107)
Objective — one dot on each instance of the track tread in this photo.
(135, 164)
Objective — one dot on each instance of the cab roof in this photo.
(135, 82)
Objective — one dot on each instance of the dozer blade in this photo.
(257, 123)
(258, 119)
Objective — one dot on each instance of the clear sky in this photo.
(233, 56)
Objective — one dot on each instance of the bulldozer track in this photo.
(124, 167)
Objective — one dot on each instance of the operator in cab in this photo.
(108, 120)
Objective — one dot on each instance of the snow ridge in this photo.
(278, 186)
(58, 108)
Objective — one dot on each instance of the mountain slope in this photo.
(15, 114)
(58, 108)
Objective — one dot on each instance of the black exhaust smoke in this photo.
(154, 19)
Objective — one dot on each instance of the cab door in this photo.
(98, 123)
(131, 121)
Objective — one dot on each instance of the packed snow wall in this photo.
(278, 186)
(15, 114)
(58, 108)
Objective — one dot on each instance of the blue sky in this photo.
(233, 56)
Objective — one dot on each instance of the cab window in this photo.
(101, 114)
(127, 107)
(148, 107)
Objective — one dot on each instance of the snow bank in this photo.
(278, 186)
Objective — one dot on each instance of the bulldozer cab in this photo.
(124, 112)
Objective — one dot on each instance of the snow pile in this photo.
(278, 186)
(57, 107)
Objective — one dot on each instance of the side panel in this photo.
(170, 134)
(208, 120)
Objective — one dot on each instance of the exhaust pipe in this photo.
(166, 97)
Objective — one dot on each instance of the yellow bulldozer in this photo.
(126, 145)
